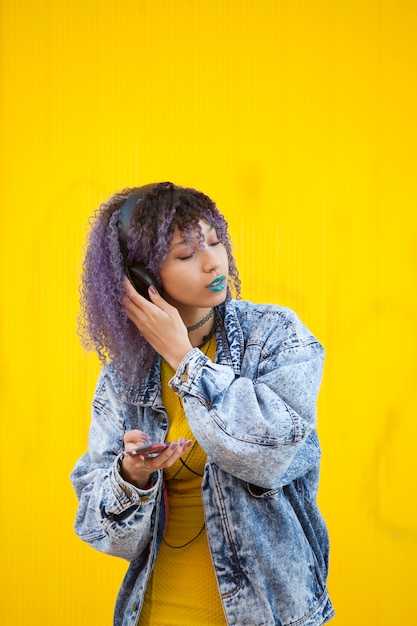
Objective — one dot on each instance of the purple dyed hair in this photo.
(103, 323)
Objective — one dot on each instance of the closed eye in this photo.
(189, 256)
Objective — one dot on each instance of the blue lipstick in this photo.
(218, 284)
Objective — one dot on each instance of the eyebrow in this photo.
(183, 242)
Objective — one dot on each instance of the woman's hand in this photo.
(137, 469)
(159, 323)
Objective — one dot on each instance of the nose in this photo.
(211, 261)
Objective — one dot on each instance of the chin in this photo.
(219, 298)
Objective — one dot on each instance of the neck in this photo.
(201, 322)
(203, 329)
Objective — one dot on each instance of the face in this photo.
(195, 274)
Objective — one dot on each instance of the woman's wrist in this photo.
(141, 480)
(175, 359)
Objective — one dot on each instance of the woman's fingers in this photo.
(159, 323)
(137, 468)
(134, 438)
(167, 457)
(162, 455)
(171, 454)
(177, 449)
(143, 312)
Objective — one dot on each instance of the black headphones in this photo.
(140, 277)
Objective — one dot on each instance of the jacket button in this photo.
(144, 499)
(126, 491)
(184, 376)
(134, 607)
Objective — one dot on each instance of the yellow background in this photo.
(298, 118)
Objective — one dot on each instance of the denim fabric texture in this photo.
(253, 411)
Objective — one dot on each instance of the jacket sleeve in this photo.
(259, 426)
(113, 515)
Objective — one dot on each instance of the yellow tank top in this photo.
(183, 590)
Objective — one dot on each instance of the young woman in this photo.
(221, 526)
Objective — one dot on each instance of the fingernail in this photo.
(173, 445)
(152, 289)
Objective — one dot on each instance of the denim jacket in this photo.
(253, 411)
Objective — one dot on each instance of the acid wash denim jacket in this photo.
(253, 411)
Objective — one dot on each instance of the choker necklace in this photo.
(201, 322)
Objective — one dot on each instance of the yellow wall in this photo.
(298, 118)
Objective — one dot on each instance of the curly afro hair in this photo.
(103, 323)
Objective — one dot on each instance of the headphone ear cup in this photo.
(141, 278)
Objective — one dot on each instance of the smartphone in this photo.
(148, 450)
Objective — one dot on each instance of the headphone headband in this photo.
(125, 215)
